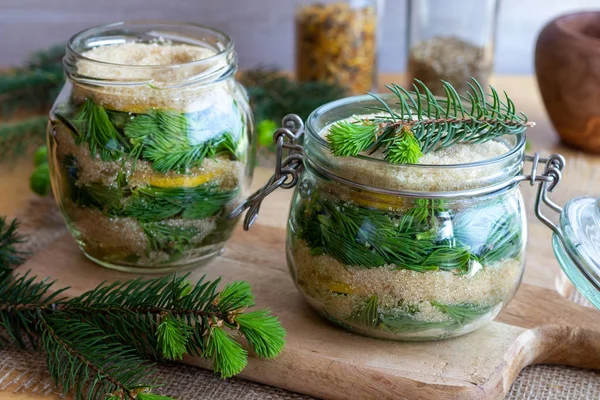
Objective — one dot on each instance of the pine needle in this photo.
(172, 338)
(229, 358)
(263, 331)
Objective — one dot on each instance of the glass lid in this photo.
(579, 252)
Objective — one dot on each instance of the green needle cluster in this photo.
(151, 206)
(100, 344)
(420, 123)
(161, 137)
(364, 237)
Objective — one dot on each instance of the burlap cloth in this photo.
(26, 372)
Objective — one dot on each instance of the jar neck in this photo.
(219, 63)
(413, 180)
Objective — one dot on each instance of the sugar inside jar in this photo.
(150, 144)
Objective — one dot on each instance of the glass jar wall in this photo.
(150, 144)
(336, 42)
(407, 252)
(451, 41)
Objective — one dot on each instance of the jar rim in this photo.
(215, 67)
(95, 30)
(314, 134)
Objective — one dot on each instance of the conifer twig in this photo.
(97, 344)
(420, 123)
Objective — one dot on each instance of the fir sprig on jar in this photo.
(424, 123)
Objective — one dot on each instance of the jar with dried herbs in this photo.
(336, 41)
(150, 144)
(451, 41)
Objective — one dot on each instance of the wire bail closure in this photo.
(289, 157)
(548, 180)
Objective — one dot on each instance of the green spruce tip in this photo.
(39, 181)
(92, 350)
(422, 123)
(364, 237)
(40, 156)
(96, 129)
(161, 137)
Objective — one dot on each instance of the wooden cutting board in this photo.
(320, 359)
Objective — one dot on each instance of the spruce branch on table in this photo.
(420, 123)
(98, 345)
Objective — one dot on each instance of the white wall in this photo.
(262, 29)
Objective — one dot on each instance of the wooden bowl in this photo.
(567, 65)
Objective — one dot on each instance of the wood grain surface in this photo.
(320, 359)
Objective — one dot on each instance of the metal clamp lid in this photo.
(288, 166)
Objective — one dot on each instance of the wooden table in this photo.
(542, 269)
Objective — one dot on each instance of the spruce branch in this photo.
(86, 361)
(420, 123)
(97, 343)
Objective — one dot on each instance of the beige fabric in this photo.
(25, 371)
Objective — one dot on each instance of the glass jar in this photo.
(150, 144)
(427, 262)
(416, 251)
(451, 41)
(336, 42)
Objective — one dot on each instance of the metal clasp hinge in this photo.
(547, 182)
(289, 157)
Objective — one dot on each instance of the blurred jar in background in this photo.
(336, 42)
(451, 41)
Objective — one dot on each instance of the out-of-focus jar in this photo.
(150, 144)
(451, 41)
(336, 42)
